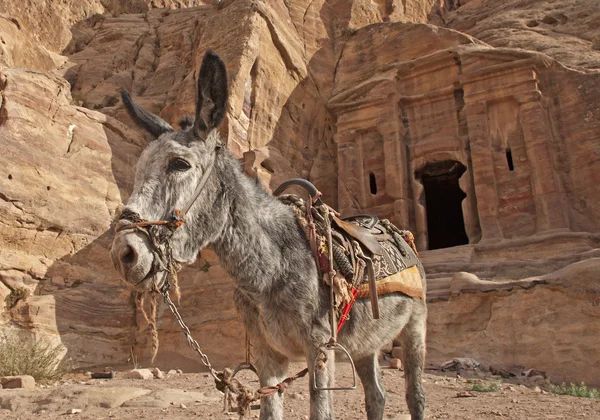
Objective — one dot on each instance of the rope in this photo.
(153, 325)
(248, 353)
(344, 265)
(174, 281)
(176, 217)
(150, 320)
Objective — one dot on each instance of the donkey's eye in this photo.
(178, 164)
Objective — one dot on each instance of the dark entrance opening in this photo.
(509, 160)
(443, 198)
(373, 183)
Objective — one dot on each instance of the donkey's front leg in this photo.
(370, 375)
(272, 368)
(321, 402)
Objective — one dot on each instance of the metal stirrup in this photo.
(332, 344)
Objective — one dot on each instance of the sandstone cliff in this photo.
(333, 91)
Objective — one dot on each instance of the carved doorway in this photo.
(443, 203)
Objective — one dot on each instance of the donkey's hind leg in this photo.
(412, 339)
(370, 376)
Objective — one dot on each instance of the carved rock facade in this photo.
(483, 131)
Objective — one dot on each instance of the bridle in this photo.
(160, 238)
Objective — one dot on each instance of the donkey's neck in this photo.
(261, 243)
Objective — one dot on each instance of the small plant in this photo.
(16, 295)
(205, 266)
(22, 354)
(485, 387)
(575, 390)
(112, 101)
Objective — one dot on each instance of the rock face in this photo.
(48, 24)
(565, 30)
(59, 194)
(524, 323)
(487, 151)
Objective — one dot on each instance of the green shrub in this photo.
(22, 354)
(575, 390)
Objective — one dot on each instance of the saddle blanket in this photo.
(407, 281)
(396, 269)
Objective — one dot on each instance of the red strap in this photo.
(346, 310)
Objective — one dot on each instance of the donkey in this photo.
(278, 293)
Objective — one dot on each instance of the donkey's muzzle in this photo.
(132, 256)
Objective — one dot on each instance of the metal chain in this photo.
(230, 384)
(188, 335)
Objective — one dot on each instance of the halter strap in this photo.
(177, 216)
(200, 186)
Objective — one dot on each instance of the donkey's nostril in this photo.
(128, 255)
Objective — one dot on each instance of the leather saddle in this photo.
(360, 233)
(365, 220)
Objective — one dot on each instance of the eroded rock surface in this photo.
(48, 24)
(563, 29)
(524, 323)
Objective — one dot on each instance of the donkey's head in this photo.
(167, 176)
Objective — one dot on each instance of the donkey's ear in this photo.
(212, 94)
(146, 120)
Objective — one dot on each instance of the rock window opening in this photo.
(509, 160)
(373, 183)
(443, 204)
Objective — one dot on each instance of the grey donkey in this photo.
(278, 293)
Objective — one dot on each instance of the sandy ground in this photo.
(163, 398)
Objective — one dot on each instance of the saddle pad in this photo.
(407, 281)
(396, 269)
